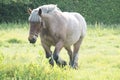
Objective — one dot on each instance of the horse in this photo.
(59, 29)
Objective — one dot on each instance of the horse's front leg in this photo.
(56, 57)
(48, 53)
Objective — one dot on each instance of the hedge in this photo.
(100, 11)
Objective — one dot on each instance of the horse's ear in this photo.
(39, 12)
(29, 11)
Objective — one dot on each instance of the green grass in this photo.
(98, 59)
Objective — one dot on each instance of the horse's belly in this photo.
(72, 38)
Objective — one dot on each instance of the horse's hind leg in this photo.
(69, 51)
(75, 53)
(56, 57)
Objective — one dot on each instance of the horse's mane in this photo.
(49, 8)
(46, 9)
(34, 17)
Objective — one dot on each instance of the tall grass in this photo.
(98, 59)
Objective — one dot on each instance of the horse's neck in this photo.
(44, 31)
(47, 19)
(46, 23)
(50, 15)
(52, 20)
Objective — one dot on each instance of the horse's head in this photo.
(35, 25)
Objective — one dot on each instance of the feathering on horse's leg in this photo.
(70, 53)
(48, 53)
(47, 50)
(56, 57)
(75, 53)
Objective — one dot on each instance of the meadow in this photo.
(99, 56)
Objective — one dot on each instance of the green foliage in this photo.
(100, 11)
(1, 57)
(14, 41)
(99, 55)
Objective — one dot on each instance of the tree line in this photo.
(94, 11)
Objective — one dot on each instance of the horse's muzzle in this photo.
(32, 40)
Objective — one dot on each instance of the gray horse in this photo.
(59, 29)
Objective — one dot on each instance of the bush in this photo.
(100, 11)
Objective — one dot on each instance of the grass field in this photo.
(99, 57)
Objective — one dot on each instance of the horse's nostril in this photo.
(33, 40)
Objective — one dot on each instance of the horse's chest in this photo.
(47, 38)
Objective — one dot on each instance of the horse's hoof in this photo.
(71, 63)
(61, 63)
(75, 66)
(64, 63)
(51, 61)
